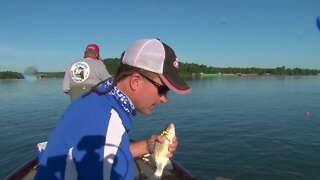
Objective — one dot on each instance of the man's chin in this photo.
(147, 112)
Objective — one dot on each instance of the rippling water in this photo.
(238, 128)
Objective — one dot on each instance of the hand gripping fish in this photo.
(161, 150)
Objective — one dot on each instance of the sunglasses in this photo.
(162, 89)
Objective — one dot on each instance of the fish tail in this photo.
(154, 177)
(158, 173)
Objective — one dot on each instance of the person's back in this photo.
(77, 147)
(84, 73)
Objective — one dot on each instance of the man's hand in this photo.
(152, 140)
(147, 146)
(173, 146)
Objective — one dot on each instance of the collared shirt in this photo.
(91, 139)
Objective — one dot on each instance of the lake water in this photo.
(239, 128)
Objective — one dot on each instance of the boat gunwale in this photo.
(32, 164)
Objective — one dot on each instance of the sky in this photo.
(221, 33)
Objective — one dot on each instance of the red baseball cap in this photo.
(93, 47)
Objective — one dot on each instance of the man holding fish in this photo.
(91, 140)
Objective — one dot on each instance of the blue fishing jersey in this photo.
(91, 139)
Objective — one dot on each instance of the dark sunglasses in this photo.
(162, 89)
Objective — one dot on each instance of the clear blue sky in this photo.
(220, 33)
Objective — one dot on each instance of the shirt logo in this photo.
(80, 72)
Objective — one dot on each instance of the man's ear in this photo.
(135, 81)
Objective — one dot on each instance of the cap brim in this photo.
(175, 83)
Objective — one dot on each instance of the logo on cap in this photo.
(93, 47)
(176, 63)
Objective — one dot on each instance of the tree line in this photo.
(10, 75)
(185, 70)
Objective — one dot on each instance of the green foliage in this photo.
(112, 65)
(52, 74)
(10, 75)
(186, 70)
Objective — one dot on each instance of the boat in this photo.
(203, 75)
(144, 168)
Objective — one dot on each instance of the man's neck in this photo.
(90, 56)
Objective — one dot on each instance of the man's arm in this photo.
(66, 81)
(139, 148)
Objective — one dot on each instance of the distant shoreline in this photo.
(186, 70)
(16, 75)
(39, 75)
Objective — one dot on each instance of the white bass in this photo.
(161, 150)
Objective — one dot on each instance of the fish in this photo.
(161, 150)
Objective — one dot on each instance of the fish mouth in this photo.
(168, 131)
(170, 126)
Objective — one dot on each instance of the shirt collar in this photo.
(122, 98)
